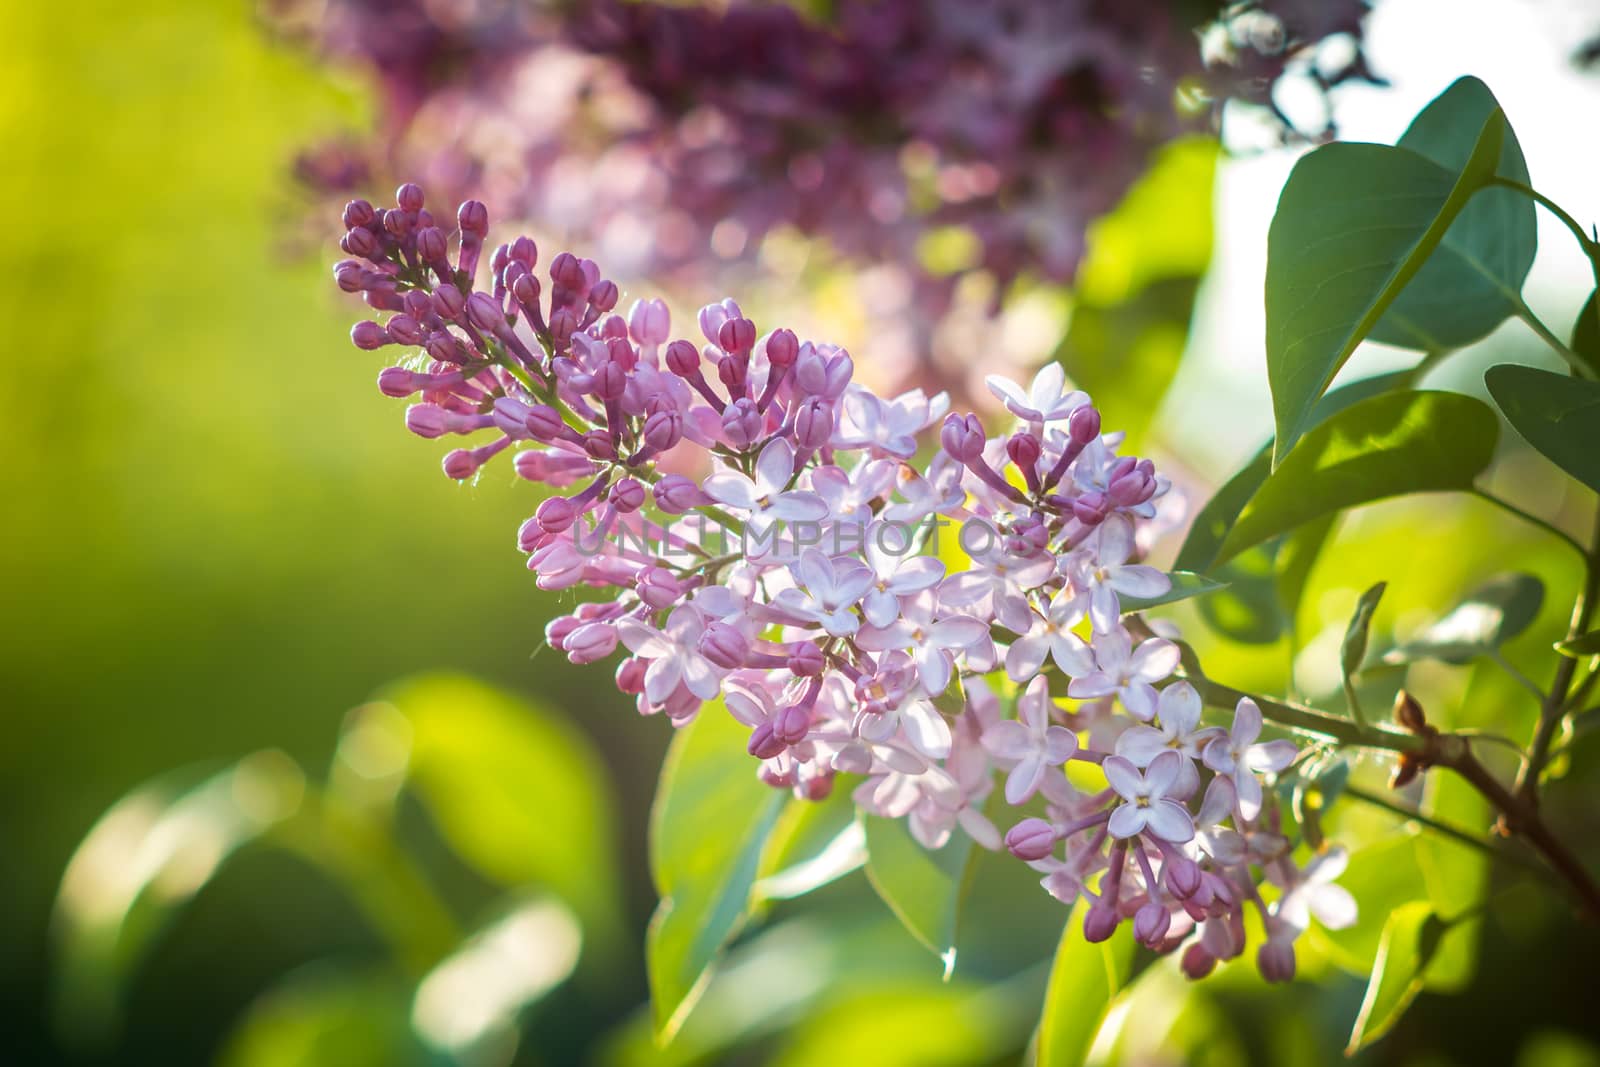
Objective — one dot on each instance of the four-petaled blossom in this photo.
(1030, 742)
(1315, 894)
(829, 590)
(673, 654)
(1178, 713)
(896, 573)
(1239, 757)
(1109, 573)
(767, 497)
(1127, 672)
(890, 426)
(931, 642)
(1051, 636)
(1047, 400)
(1147, 808)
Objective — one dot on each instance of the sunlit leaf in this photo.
(322, 1017)
(1185, 585)
(1556, 414)
(1355, 223)
(1491, 615)
(923, 887)
(1297, 556)
(1404, 442)
(704, 878)
(1083, 980)
(1410, 939)
(1216, 519)
(901, 1025)
(142, 862)
(812, 845)
(515, 791)
(1246, 609)
(1470, 283)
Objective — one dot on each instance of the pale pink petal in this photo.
(1218, 802)
(1024, 778)
(1140, 700)
(1096, 684)
(1007, 740)
(1140, 581)
(731, 488)
(661, 678)
(1104, 610)
(1116, 541)
(926, 729)
(1154, 660)
(643, 640)
(1333, 906)
(915, 575)
(1271, 757)
(1025, 657)
(1246, 723)
(700, 678)
(1163, 772)
(1071, 654)
(1249, 790)
(958, 631)
(1179, 708)
(798, 506)
(1060, 745)
(1124, 777)
(1141, 744)
(1170, 821)
(884, 638)
(934, 668)
(880, 607)
(774, 466)
(816, 572)
(1127, 821)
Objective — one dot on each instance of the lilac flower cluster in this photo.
(765, 529)
(672, 136)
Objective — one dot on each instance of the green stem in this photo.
(1589, 246)
(1534, 520)
(1305, 720)
(1575, 361)
(1555, 702)
(1521, 679)
(1454, 833)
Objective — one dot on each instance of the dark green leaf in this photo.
(1297, 555)
(1185, 584)
(1410, 939)
(704, 878)
(1395, 443)
(1586, 333)
(1247, 609)
(514, 790)
(1491, 615)
(1470, 283)
(1581, 647)
(1354, 649)
(922, 886)
(1558, 415)
(1354, 225)
(1211, 525)
(1083, 980)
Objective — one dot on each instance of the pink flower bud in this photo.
(765, 743)
(1090, 508)
(611, 381)
(556, 514)
(1182, 876)
(597, 444)
(405, 330)
(742, 422)
(737, 335)
(369, 335)
(524, 251)
(397, 382)
(544, 423)
(526, 290)
(357, 213)
(962, 437)
(1150, 924)
(530, 535)
(683, 359)
(409, 197)
(473, 218)
(397, 223)
(649, 322)
(1031, 839)
(663, 429)
(724, 645)
(1083, 425)
(1100, 922)
(782, 348)
(676, 494)
(431, 246)
(347, 274)
(805, 659)
(557, 629)
(361, 242)
(449, 302)
(813, 423)
(590, 642)
(1197, 961)
(792, 723)
(485, 312)
(1024, 450)
(1275, 959)
(628, 495)
(603, 297)
(630, 675)
(461, 463)
(567, 272)
(442, 346)
(428, 420)
(511, 417)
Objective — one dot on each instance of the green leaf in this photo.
(811, 845)
(1470, 283)
(1410, 939)
(1581, 647)
(1491, 615)
(1216, 519)
(1185, 585)
(515, 790)
(1247, 610)
(141, 863)
(704, 878)
(1297, 555)
(1083, 980)
(1354, 649)
(1395, 443)
(923, 887)
(320, 1017)
(1354, 225)
(1586, 333)
(1558, 415)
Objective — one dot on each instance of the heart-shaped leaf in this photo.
(1558, 415)
(1388, 445)
(1355, 224)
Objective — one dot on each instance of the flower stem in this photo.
(1532, 519)
(1378, 800)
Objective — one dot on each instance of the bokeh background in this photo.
(218, 541)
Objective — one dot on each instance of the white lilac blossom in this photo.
(754, 559)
